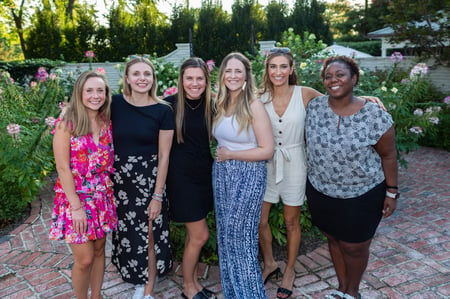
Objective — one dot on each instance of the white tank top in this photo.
(226, 134)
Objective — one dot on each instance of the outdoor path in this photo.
(410, 254)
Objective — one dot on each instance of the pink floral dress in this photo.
(91, 166)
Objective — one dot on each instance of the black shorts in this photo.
(353, 220)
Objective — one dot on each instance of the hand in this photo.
(154, 209)
(79, 220)
(374, 100)
(222, 154)
(389, 207)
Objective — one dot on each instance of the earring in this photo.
(244, 85)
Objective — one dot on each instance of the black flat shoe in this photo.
(276, 272)
(208, 293)
(199, 295)
(283, 293)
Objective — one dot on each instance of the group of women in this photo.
(162, 168)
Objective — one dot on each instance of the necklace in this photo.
(195, 107)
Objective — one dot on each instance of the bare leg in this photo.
(338, 262)
(265, 241)
(356, 257)
(196, 236)
(98, 268)
(292, 220)
(148, 290)
(83, 256)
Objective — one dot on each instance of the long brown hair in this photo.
(267, 85)
(192, 62)
(75, 115)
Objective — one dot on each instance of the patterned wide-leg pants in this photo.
(239, 188)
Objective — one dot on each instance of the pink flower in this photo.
(211, 64)
(63, 105)
(416, 130)
(446, 100)
(41, 74)
(434, 120)
(170, 91)
(100, 70)
(418, 112)
(89, 54)
(396, 57)
(418, 71)
(33, 84)
(405, 81)
(50, 121)
(13, 130)
(52, 76)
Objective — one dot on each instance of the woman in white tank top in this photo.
(242, 129)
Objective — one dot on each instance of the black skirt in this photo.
(353, 220)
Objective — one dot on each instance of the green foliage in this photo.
(209, 250)
(441, 139)
(25, 70)
(27, 156)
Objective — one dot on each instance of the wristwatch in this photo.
(392, 195)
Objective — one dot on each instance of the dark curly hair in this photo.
(349, 62)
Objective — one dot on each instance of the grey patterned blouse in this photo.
(342, 161)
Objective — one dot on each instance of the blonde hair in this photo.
(242, 111)
(75, 115)
(127, 87)
(193, 62)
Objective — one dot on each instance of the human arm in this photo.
(61, 151)
(374, 100)
(385, 147)
(264, 138)
(164, 145)
(308, 94)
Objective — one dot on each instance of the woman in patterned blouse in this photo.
(352, 171)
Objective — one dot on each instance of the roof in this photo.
(345, 51)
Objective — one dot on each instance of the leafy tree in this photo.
(422, 24)
(212, 37)
(183, 21)
(276, 20)
(307, 15)
(247, 24)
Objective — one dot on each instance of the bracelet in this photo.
(391, 187)
(157, 196)
(73, 210)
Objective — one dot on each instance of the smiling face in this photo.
(279, 70)
(94, 93)
(194, 83)
(234, 75)
(140, 77)
(338, 80)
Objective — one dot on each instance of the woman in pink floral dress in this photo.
(84, 209)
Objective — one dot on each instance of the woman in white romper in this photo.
(285, 103)
(286, 172)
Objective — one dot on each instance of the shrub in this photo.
(26, 116)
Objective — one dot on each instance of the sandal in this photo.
(335, 293)
(283, 293)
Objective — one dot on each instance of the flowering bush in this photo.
(25, 140)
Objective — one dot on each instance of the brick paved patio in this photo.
(410, 254)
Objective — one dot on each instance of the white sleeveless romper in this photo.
(286, 171)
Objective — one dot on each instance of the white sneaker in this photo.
(148, 297)
(139, 292)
